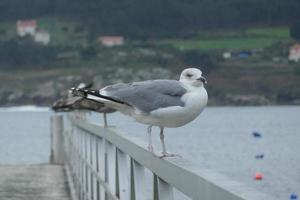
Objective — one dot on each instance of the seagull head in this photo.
(81, 85)
(193, 77)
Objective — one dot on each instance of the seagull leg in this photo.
(162, 140)
(150, 145)
(105, 119)
(164, 150)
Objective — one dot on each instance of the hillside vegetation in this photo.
(156, 18)
(161, 38)
(254, 38)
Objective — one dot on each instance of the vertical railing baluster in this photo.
(82, 170)
(79, 164)
(72, 151)
(137, 183)
(77, 160)
(83, 166)
(101, 165)
(155, 187)
(94, 164)
(111, 166)
(72, 154)
(88, 160)
(122, 175)
(165, 190)
(90, 164)
(85, 185)
(131, 181)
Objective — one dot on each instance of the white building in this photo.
(26, 27)
(227, 55)
(110, 41)
(294, 53)
(42, 37)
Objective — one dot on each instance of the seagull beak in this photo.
(202, 79)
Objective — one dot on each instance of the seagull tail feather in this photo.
(94, 95)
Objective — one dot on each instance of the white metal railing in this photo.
(105, 165)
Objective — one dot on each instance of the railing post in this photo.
(57, 140)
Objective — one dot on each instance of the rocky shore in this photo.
(43, 87)
(42, 98)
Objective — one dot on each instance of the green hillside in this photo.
(34, 73)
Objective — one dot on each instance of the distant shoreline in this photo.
(36, 108)
(25, 108)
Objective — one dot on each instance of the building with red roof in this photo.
(294, 54)
(26, 27)
(110, 41)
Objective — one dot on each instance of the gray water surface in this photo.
(219, 139)
(24, 136)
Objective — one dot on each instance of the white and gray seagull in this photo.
(161, 103)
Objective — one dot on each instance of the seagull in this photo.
(161, 103)
(66, 103)
(71, 103)
(80, 103)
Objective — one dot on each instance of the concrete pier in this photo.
(33, 182)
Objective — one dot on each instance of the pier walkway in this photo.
(33, 182)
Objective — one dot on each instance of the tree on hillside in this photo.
(194, 58)
(295, 31)
(16, 53)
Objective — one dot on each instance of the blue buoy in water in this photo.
(256, 134)
(293, 196)
(259, 156)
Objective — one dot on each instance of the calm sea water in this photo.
(24, 135)
(220, 139)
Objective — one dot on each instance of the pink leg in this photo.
(150, 145)
(164, 150)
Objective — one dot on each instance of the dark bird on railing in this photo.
(74, 103)
(162, 103)
(65, 104)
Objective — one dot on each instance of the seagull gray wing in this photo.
(147, 96)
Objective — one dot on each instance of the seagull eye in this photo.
(189, 75)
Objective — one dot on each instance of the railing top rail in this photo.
(194, 181)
